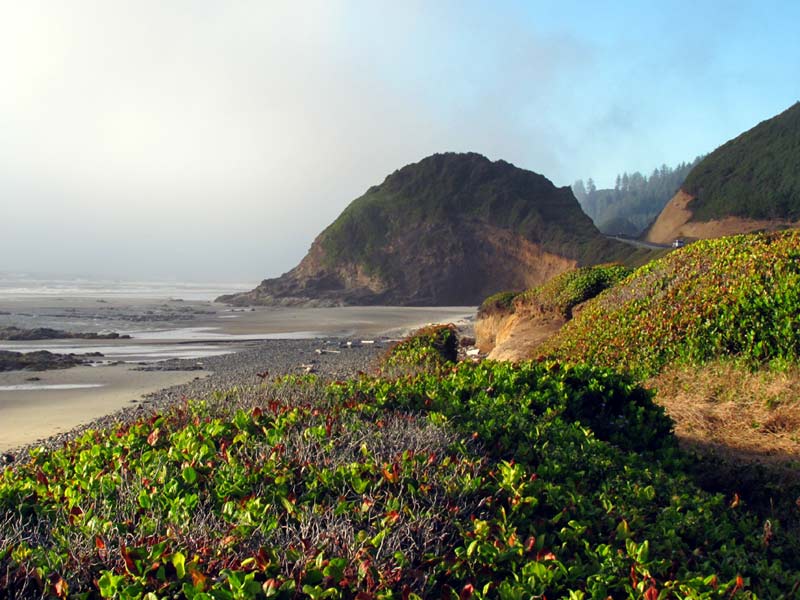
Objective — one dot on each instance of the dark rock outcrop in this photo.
(40, 360)
(45, 333)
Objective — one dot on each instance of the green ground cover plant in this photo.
(475, 481)
(735, 297)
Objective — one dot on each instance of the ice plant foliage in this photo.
(481, 481)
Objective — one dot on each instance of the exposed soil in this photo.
(675, 222)
(515, 337)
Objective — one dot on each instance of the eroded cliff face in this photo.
(460, 263)
(676, 222)
(515, 336)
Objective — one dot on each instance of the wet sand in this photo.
(29, 415)
(346, 321)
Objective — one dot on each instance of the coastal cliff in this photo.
(451, 229)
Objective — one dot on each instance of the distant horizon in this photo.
(218, 139)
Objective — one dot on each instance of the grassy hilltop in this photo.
(754, 175)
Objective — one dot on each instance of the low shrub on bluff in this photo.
(430, 348)
(562, 293)
(559, 295)
(499, 303)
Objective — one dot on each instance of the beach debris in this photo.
(367, 341)
(308, 369)
(326, 351)
(263, 374)
(473, 352)
(7, 458)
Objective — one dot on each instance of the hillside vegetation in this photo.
(559, 295)
(754, 175)
(462, 481)
(469, 186)
(735, 297)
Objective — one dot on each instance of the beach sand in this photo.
(346, 321)
(30, 415)
(27, 416)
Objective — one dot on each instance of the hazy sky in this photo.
(213, 140)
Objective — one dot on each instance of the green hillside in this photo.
(755, 175)
(444, 188)
(730, 297)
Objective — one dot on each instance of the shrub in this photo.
(562, 293)
(499, 303)
(430, 348)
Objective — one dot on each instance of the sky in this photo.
(212, 141)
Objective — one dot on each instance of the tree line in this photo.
(634, 202)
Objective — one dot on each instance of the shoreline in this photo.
(220, 345)
(278, 357)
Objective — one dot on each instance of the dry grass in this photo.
(742, 416)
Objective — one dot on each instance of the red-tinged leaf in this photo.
(41, 477)
(74, 513)
(467, 591)
(101, 547)
(530, 544)
(365, 596)
(61, 588)
(257, 412)
(152, 439)
(542, 555)
(198, 579)
(262, 560)
(126, 556)
(392, 516)
(651, 593)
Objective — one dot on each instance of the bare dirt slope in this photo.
(675, 222)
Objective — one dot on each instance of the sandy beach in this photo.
(231, 344)
(29, 415)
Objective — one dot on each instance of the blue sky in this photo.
(214, 140)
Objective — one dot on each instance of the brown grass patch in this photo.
(741, 415)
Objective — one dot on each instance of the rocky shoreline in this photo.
(260, 362)
(17, 334)
(42, 360)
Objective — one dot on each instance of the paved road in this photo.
(639, 243)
